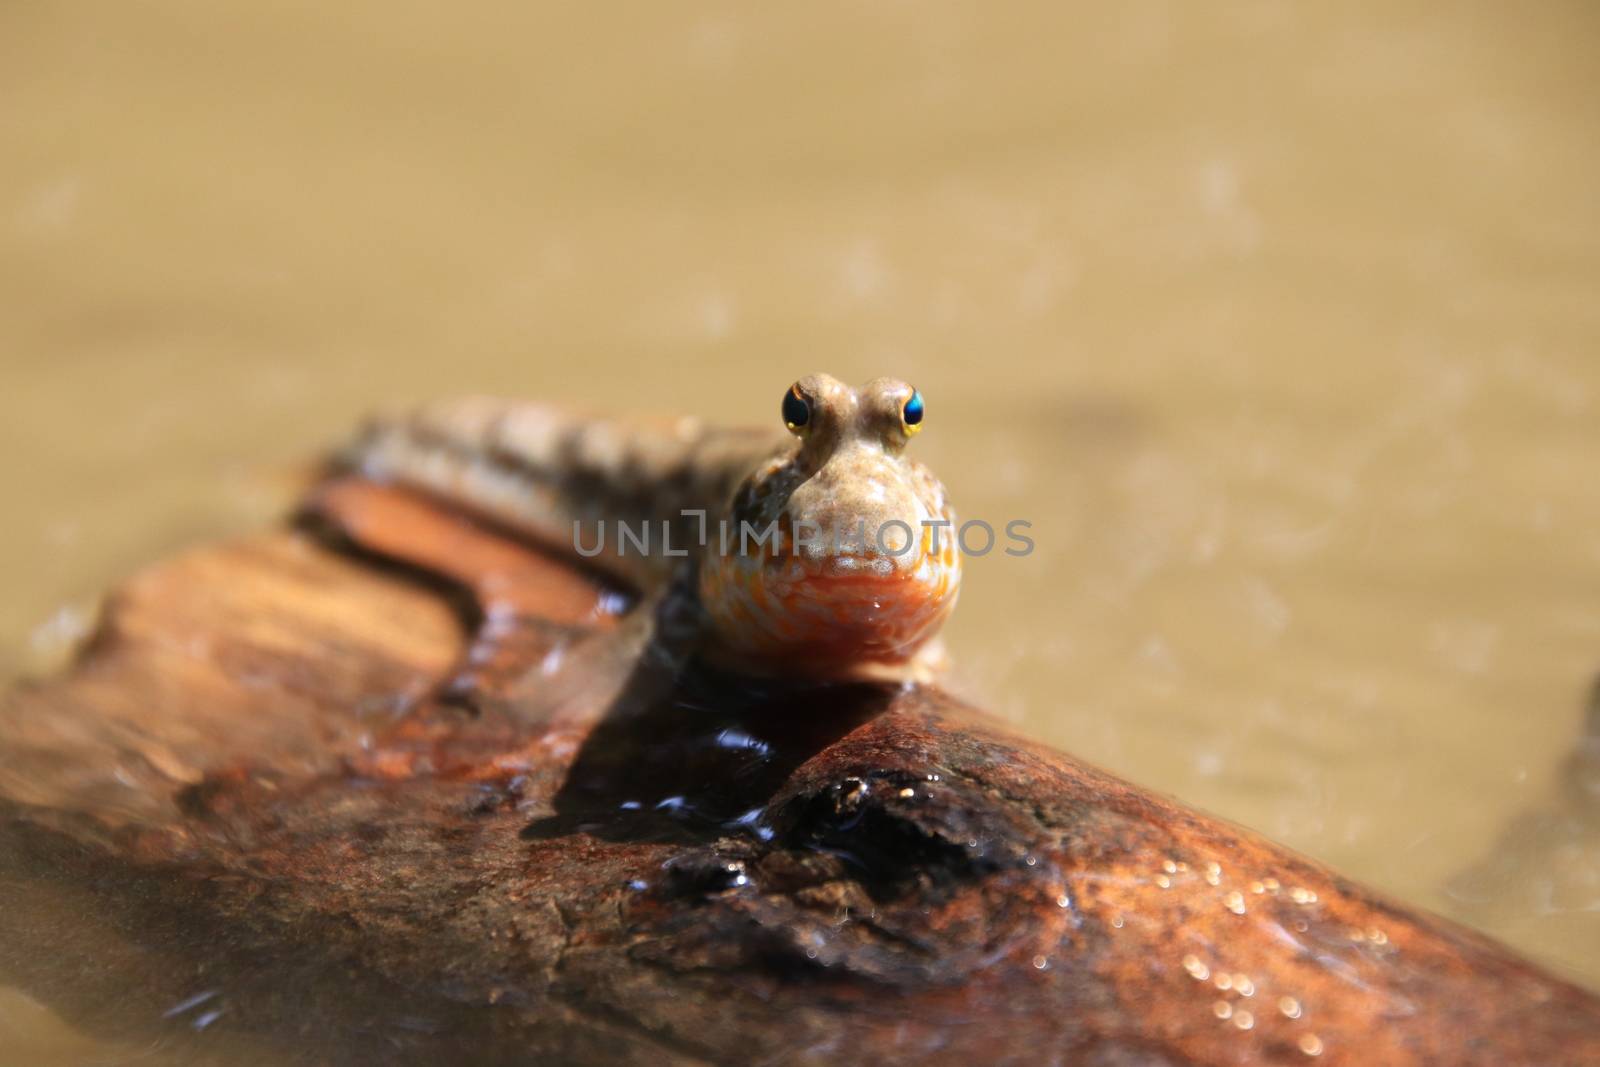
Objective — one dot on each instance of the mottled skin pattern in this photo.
(772, 543)
(857, 578)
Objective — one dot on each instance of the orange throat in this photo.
(833, 616)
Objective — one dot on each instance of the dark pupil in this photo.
(913, 411)
(795, 411)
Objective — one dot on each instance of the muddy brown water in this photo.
(1278, 323)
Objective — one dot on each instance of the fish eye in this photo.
(796, 412)
(911, 413)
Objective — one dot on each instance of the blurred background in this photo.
(1278, 321)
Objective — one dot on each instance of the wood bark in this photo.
(248, 794)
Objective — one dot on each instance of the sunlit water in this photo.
(1278, 324)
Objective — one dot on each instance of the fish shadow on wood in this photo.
(688, 752)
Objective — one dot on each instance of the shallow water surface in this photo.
(1277, 322)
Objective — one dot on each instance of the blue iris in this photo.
(913, 409)
(796, 412)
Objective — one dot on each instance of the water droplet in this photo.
(738, 739)
(192, 1002)
(1290, 1007)
(1040, 963)
(1243, 985)
(1311, 1044)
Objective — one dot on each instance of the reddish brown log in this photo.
(245, 788)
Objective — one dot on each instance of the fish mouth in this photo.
(840, 566)
(856, 597)
(828, 612)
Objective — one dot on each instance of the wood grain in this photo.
(247, 785)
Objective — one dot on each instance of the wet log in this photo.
(249, 819)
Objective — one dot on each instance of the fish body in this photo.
(823, 551)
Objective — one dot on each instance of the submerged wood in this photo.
(247, 805)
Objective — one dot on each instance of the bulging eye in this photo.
(796, 412)
(911, 414)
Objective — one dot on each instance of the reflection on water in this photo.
(1277, 323)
